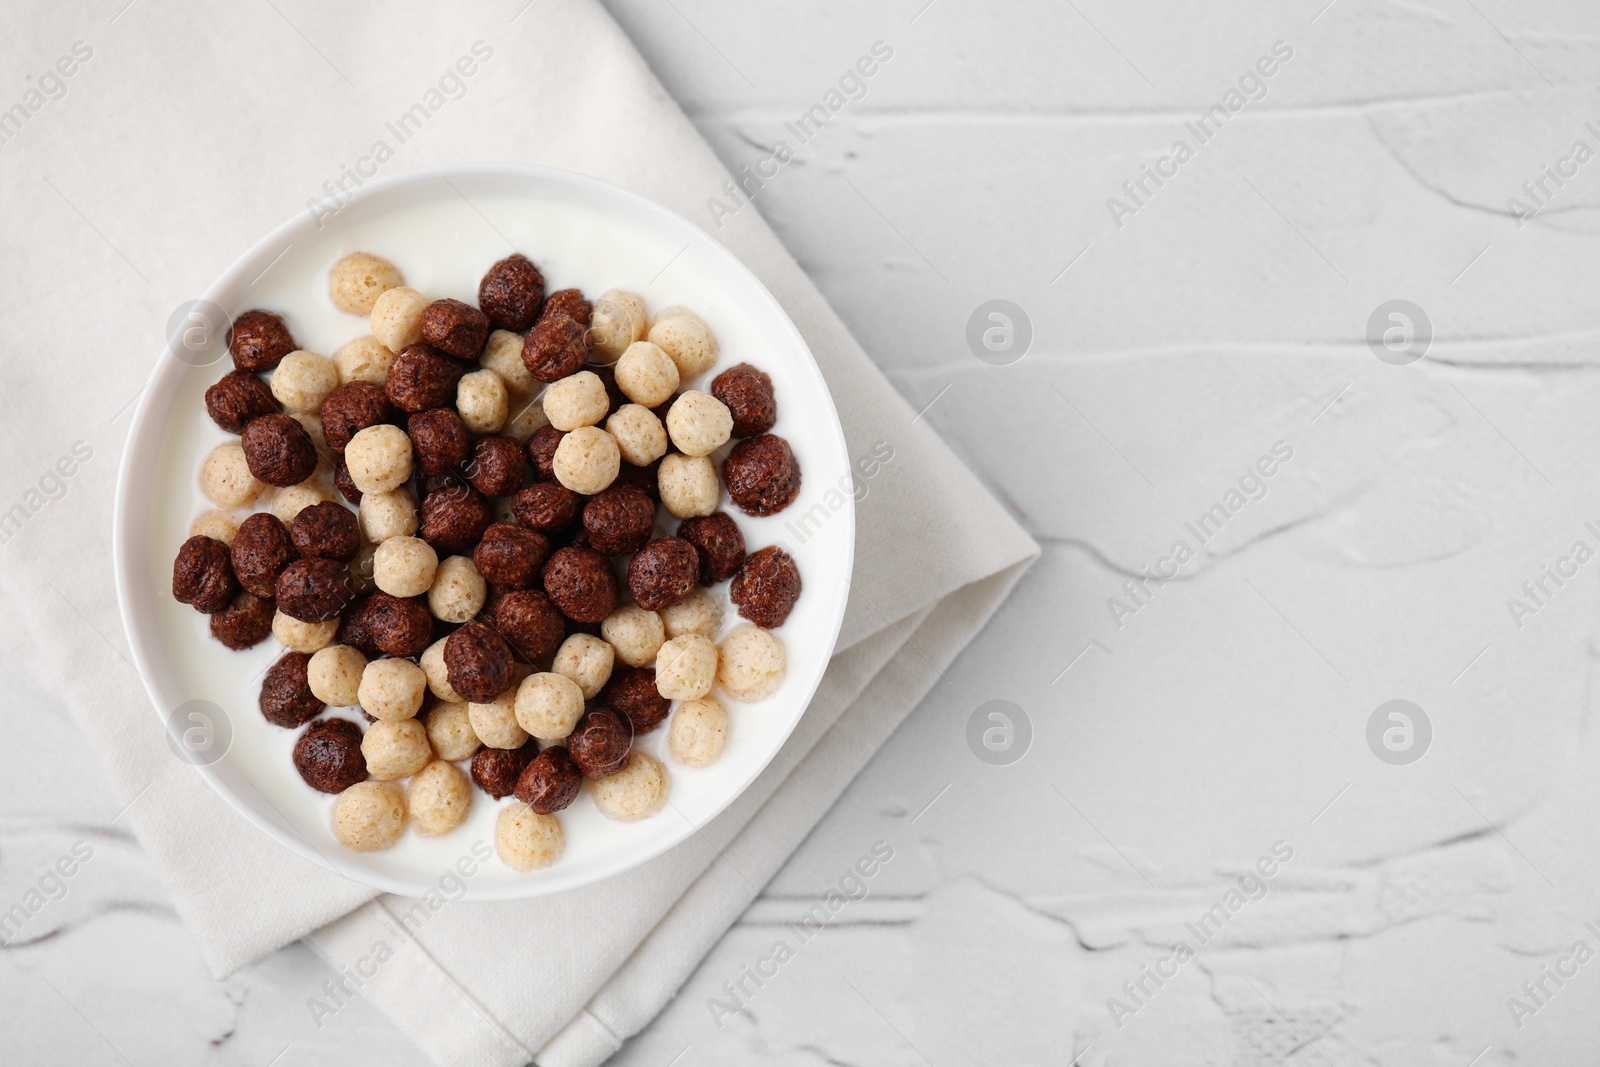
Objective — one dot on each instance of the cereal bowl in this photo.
(442, 228)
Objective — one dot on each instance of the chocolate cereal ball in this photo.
(511, 556)
(454, 518)
(262, 548)
(766, 587)
(718, 541)
(258, 341)
(663, 573)
(547, 507)
(440, 440)
(632, 693)
(357, 280)
(556, 347)
(344, 483)
(328, 756)
(237, 398)
(599, 744)
(352, 408)
(202, 575)
(370, 815)
(550, 782)
(398, 626)
(571, 304)
(286, 696)
(478, 662)
(278, 450)
(527, 619)
(245, 622)
(636, 790)
(496, 466)
(354, 629)
(580, 583)
(542, 447)
(619, 519)
(512, 293)
(328, 530)
(455, 328)
(423, 377)
(496, 770)
(314, 590)
(762, 475)
(748, 394)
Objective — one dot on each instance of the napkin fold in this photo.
(164, 157)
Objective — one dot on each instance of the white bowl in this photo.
(443, 227)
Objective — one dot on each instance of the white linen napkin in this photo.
(179, 137)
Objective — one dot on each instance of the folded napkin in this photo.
(180, 137)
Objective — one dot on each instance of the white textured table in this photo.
(1181, 736)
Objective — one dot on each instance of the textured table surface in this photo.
(1218, 846)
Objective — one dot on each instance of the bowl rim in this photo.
(141, 440)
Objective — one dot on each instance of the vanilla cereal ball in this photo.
(379, 458)
(482, 401)
(450, 733)
(334, 674)
(646, 375)
(215, 524)
(303, 380)
(527, 415)
(640, 436)
(392, 690)
(397, 318)
(357, 280)
(686, 340)
(751, 662)
(287, 503)
(636, 792)
(363, 360)
(369, 815)
(385, 515)
(395, 749)
(576, 400)
(404, 566)
(226, 480)
(432, 661)
(299, 636)
(587, 660)
(503, 355)
(524, 839)
(688, 484)
(685, 667)
(438, 798)
(635, 633)
(698, 732)
(699, 423)
(618, 321)
(458, 590)
(698, 613)
(548, 705)
(587, 460)
(496, 722)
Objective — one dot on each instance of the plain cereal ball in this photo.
(215, 524)
(395, 749)
(640, 436)
(303, 381)
(646, 375)
(685, 667)
(686, 340)
(357, 280)
(635, 633)
(577, 400)
(449, 727)
(379, 458)
(397, 318)
(751, 662)
(698, 613)
(502, 353)
(618, 320)
(364, 360)
(482, 401)
(391, 690)
(689, 485)
(496, 723)
(289, 503)
(369, 815)
(334, 675)
(586, 660)
(699, 423)
(587, 460)
(438, 798)
(636, 792)
(432, 663)
(698, 733)
(525, 419)
(226, 480)
(458, 590)
(385, 515)
(525, 840)
(307, 637)
(548, 705)
(404, 566)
